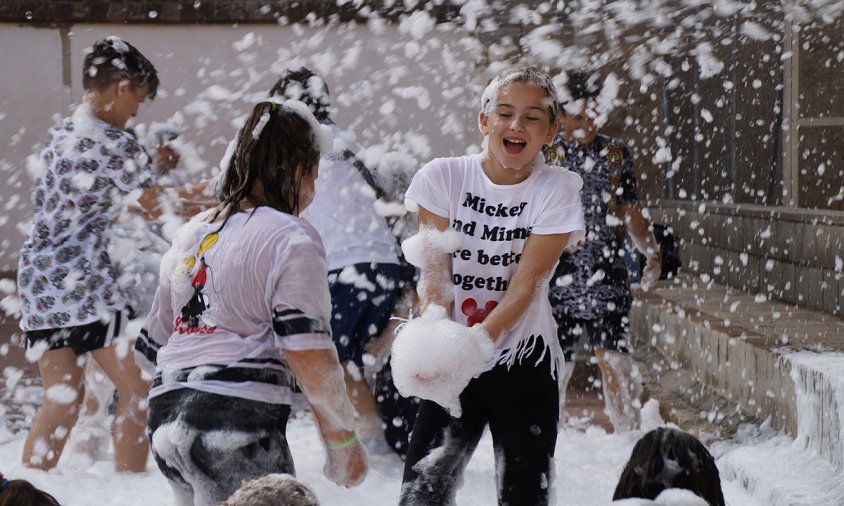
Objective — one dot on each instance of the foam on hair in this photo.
(111, 60)
(520, 74)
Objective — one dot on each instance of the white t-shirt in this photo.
(226, 308)
(342, 211)
(494, 222)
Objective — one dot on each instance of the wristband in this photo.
(343, 444)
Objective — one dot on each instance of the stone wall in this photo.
(792, 255)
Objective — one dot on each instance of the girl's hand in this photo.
(347, 465)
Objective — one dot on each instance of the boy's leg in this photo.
(61, 376)
(523, 406)
(439, 449)
(131, 445)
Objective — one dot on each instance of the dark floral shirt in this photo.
(591, 282)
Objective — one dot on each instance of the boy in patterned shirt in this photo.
(70, 305)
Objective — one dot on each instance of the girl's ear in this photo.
(552, 131)
(483, 123)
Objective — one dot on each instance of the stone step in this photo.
(760, 359)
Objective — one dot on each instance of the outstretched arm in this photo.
(185, 201)
(538, 259)
(320, 376)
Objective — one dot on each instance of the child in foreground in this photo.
(485, 348)
(241, 313)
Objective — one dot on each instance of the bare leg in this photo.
(622, 389)
(61, 375)
(131, 445)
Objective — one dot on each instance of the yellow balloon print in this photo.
(206, 243)
(189, 262)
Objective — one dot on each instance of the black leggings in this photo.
(520, 404)
(207, 444)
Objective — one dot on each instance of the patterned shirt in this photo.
(591, 282)
(65, 275)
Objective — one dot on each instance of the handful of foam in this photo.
(434, 358)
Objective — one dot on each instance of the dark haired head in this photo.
(112, 60)
(525, 75)
(272, 146)
(669, 458)
(305, 86)
(582, 85)
(17, 492)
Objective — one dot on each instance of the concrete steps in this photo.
(739, 357)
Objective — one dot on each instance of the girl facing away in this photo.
(485, 348)
(241, 313)
(71, 308)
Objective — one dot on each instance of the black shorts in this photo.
(611, 332)
(362, 301)
(83, 338)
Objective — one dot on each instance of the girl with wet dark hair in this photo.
(241, 313)
(668, 458)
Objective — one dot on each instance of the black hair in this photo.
(18, 492)
(112, 60)
(271, 147)
(582, 85)
(670, 458)
(305, 86)
(521, 74)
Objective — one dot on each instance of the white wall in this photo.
(411, 90)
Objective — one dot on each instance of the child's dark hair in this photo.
(525, 75)
(670, 458)
(582, 85)
(112, 60)
(305, 86)
(272, 144)
(22, 492)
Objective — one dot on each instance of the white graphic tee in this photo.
(495, 222)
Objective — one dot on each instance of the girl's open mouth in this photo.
(514, 146)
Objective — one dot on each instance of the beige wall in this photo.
(409, 91)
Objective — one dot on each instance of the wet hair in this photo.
(271, 146)
(19, 492)
(112, 60)
(273, 490)
(305, 86)
(670, 458)
(525, 75)
(582, 85)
